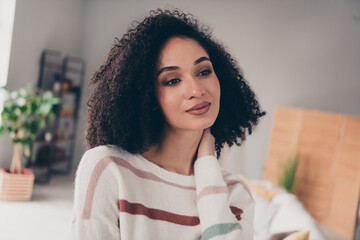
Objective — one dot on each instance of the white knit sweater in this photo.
(119, 195)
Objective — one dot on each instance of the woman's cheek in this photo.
(167, 103)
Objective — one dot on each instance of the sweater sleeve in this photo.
(95, 209)
(225, 212)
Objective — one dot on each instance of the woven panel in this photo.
(328, 175)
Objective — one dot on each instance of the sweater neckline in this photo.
(177, 178)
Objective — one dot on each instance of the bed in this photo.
(327, 181)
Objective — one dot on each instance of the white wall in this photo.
(304, 54)
(297, 53)
(39, 25)
(7, 14)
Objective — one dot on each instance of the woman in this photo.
(167, 98)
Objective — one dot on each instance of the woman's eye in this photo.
(172, 82)
(205, 72)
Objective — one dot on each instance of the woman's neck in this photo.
(176, 151)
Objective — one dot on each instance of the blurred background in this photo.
(303, 54)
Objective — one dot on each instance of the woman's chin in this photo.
(200, 127)
(192, 124)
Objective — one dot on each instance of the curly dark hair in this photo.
(123, 110)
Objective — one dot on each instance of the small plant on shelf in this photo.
(24, 112)
(287, 179)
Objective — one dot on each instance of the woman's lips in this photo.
(199, 109)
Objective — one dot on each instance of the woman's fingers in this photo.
(207, 144)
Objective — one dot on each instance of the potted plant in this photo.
(24, 112)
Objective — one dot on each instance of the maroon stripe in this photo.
(146, 174)
(157, 214)
(209, 190)
(237, 212)
(98, 170)
(233, 182)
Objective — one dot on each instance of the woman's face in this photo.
(187, 87)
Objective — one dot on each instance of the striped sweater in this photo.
(119, 195)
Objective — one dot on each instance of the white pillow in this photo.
(264, 213)
(292, 216)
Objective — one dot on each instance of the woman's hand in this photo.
(207, 144)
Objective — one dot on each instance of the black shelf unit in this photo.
(52, 152)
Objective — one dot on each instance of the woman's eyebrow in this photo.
(172, 68)
(165, 69)
(201, 60)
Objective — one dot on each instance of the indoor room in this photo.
(295, 65)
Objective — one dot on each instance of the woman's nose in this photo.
(194, 89)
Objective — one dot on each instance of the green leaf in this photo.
(43, 122)
(27, 151)
(47, 96)
(45, 108)
(287, 179)
(34, 126)
(56, 101)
